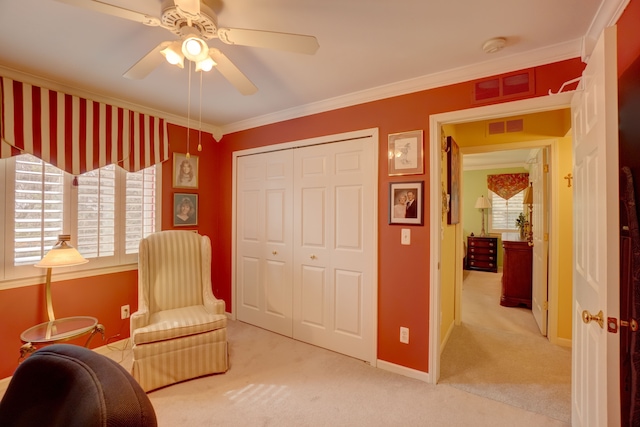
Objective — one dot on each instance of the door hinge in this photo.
(545, 306)
(546, 237)
(612, 324)
(545, 168)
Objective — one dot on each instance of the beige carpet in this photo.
(277, 381)
(499, 353)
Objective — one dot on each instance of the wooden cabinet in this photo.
(482, 253)
(517, 266)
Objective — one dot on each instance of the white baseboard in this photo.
(403, 370)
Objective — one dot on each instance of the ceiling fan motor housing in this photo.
(206, 23)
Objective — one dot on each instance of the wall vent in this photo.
(508, 126)
(505, 86)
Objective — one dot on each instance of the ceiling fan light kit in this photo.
(173, 54)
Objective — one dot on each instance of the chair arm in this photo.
(139, 319)
(214, 305)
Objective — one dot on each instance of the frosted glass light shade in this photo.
(62, 255)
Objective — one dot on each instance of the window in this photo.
(503, 213)
(107, 211)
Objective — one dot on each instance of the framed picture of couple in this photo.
(406, 202)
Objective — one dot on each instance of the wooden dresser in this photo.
(482, 253)
(517, 265)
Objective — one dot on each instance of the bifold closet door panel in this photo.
(264, 215)
(333, 215)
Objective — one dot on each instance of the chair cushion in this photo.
(178, 322)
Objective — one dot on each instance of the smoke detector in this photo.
(494, 45)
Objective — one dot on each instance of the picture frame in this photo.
(399, 195)
(185, 171)
(453, 181)
(183, 217)
(406, 153)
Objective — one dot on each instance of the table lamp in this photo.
(62, 254)
(482, 204)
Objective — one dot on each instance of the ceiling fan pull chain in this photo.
(200, 116)
(188, 112)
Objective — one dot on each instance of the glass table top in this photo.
(59, 330)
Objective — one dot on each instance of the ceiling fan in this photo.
(195, 23)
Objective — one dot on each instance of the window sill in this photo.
(40, 279)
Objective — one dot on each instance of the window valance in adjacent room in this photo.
(75, 134)
(507, 185)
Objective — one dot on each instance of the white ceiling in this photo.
(369, 49)
(496, 159)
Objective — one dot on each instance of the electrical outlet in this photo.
(124, 312)
(404, 335)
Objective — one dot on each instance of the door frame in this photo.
(327, 139)
(527, 106)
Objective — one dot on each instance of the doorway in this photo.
(559, 101)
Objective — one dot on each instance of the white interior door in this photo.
(540, 284)
(264, 212)
(334, 187)
(595, 360)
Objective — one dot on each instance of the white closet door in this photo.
(334, 199)
(264, 254)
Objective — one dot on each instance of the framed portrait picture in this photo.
(453, 181)
(406, 201)
(185, 209)
(185, 171)
(406, 155)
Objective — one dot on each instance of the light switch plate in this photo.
(405, 238)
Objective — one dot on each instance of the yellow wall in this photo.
(565, 230)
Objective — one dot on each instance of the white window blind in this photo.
(503, 213)
(96, 212)
(39, 215)
(106, 213)
(140, 207)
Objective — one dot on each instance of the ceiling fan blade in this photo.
(147, 63)
(188, 8)
(283, 41)
(232, 73)
(109, 9)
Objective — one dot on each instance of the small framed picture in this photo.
(406, 155)
(406, 201)
(185, 171)
(185, 209)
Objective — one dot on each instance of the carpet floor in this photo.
(499, 353)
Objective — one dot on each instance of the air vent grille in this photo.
(508, 126)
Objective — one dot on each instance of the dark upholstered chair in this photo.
(68, 385)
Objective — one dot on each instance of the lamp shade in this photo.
(528, 196)
(482, 203)
(62, 255)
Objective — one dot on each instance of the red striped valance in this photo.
(75, 134)
(507, 185)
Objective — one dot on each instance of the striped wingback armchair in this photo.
(180, 329)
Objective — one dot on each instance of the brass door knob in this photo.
(274, 253)
(588, 317)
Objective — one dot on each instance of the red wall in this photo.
(403, 286)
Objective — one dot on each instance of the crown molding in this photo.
(608, 14)
(555, 53)
(52, 85)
